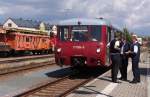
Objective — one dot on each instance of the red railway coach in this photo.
(11, 42)
(83, 42)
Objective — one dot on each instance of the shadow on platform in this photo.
(59, 73)
(83, 73)
(87, 91)
(145, 71)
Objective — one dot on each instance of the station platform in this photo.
(103, 87)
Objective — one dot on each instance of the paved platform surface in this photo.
(103, 87)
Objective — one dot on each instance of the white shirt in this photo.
(135, 48)
(122, 48)
(117, 44)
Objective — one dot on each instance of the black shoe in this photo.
(124, 79)
(138, 81)
(115, 81)
(120, 78)
(134, 81)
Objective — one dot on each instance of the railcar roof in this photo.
(83, 21)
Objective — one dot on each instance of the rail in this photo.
(60, 87)
(10, 60)
(10, 66)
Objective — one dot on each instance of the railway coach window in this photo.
(43, 40)
(95, 33)
(64, 33)
(108, 34)
(28, 39)
(79, 33)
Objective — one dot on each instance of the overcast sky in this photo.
(134, 14)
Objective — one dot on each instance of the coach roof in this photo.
(82, 21)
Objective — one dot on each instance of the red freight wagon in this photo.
(11, 42)
(83, 42)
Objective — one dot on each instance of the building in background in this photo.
(140, 40)
(1, 26)
(1, 29)
(54, 30)
(27, 25)
(45, 27)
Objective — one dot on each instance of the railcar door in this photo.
(110, 36)
(65, 42)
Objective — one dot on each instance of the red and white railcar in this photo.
(83, 42)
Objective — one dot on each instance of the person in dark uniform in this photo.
(125, 47)
(135, 55)
(114, 47)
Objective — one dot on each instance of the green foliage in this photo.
(127, 35)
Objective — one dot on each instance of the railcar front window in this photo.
(79, 33)
(95, 33)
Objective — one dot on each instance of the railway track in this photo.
(16, 65)
(18, 59)
(59, 88)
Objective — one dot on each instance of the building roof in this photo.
(26, 23)
(83, 21)
(48, 26)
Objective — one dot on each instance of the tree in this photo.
(127, 34)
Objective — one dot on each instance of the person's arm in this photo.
(135, 50)
(127, 47)
(108, 45)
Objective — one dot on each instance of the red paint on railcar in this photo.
(87, 50)
(84, 44)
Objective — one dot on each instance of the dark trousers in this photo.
(135, 69)
(123, 66)
(115, 58)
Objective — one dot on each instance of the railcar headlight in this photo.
(59, 50)
(98, 50)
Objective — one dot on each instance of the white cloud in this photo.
(120, 4)
(70, 4)
(139, 16)
(26, 9)
(3, 10)
(132, 20)
(138, 7)
(131, 13)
